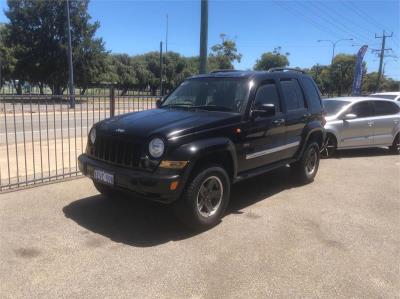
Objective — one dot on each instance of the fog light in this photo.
(173, 164)
(173, 185)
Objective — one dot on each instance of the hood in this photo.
(166, 122)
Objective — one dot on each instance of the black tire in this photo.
(105, 190)
(329, 147)
(395, 148)
(192, 206)
(306, 168)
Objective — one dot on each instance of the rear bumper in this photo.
(141, 184)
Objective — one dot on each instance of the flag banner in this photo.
(358, 74)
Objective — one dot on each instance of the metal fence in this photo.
(41, 136)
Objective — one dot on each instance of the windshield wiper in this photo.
(176, 106)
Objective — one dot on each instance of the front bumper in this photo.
(147, 185)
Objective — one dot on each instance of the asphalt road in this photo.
(338, 237)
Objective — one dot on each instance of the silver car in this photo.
(360, 122)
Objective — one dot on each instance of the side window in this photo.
(363, 109)
(312, 95)
(293, 95)
(268, 94)
(385, 108)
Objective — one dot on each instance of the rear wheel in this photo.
(396, 145)
(329, 147)
(205, 199)
(306, 168)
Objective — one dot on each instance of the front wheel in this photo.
(205, 198)
(306, 168)
(329, 147)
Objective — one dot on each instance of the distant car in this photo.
(360, 122)
(387, 95)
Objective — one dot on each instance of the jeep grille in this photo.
(116, 151)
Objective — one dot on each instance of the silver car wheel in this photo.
(209, 197)
(311, 161)
(328, 148)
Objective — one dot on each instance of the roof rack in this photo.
(281, 69)
(224, 71)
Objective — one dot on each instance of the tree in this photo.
(272, 59)
(224, 54)
(343, 73)
(8, 60)
(38, 35)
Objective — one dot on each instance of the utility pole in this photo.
(381, 55)
(334, 43)
(161, 70)
(166, 38)
(70, 66)
(203, 36)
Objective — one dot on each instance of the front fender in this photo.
(195, 150)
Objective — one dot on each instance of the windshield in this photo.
(385, 96)
(333, 106)
(219, 94)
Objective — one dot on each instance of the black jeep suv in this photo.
(210, 132)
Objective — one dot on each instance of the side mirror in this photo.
(158, 103)
(264, 110)
(349, 116)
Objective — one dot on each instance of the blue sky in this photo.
(257, 26)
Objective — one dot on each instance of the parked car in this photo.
(210, 132)
(387, 95)
(360, 122)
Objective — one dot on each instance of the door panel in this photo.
(359, 131)
(296, 115)
(385, 121)
(264, 135)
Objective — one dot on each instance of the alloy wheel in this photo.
(209, 197)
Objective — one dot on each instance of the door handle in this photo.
(307, 115)
(370, 123)
(279, 121)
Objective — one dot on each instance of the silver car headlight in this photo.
(156, 147)
(92, 135)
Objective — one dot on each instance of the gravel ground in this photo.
(337, 237)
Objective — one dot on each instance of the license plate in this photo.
(103, 176)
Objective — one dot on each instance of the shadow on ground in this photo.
(363, 152)
(140, 223)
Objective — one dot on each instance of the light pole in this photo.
(334, 43)
(203, 36)
(70, 65)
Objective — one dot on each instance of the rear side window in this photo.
(268, 94)
(312, 95)
(293, 94)
(385, 108)
(362, 109)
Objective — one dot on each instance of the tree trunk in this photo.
(124, 91)
(57, 90)
(83, 91)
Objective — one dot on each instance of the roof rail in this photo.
(224, 71)
(281, 69)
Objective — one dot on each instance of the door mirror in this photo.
(264, 110)
(158, 103)
(349, 116)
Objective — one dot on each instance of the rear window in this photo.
(293, 94)
(385, 108)
(332, 107)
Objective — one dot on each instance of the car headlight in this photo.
(92, 135)
(156, 147)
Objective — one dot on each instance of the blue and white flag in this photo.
(357, 81)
